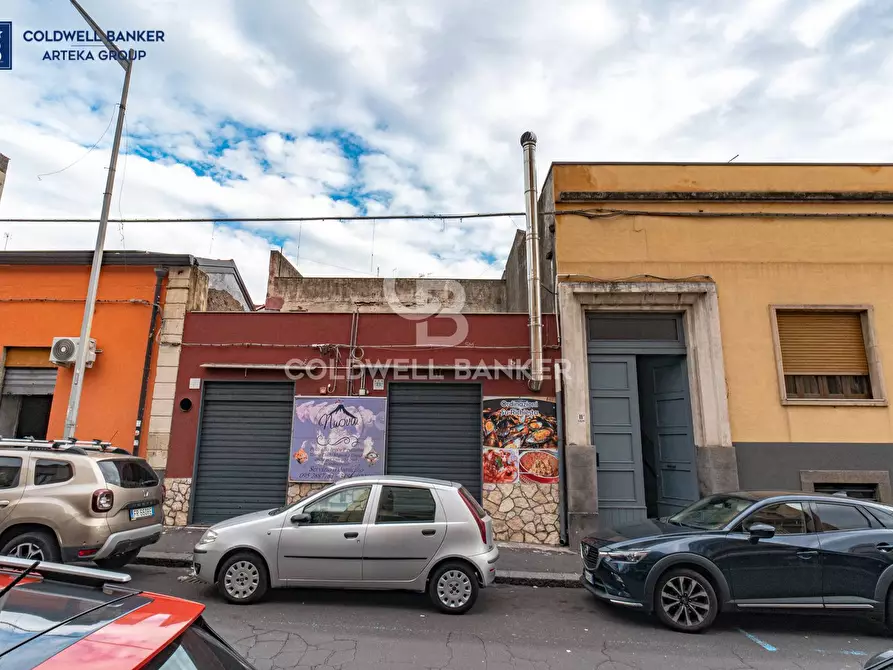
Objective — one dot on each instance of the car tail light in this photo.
(83, 553)
(103, 499)
(482, 527)
(163, 492)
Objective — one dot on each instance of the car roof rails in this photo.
(71, 574)
(70, 445)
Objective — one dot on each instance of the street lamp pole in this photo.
(77, 382)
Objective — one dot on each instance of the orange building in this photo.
(141, 303)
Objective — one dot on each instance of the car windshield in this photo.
(711, 513)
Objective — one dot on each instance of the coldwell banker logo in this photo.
(86, 45)
(5, 45)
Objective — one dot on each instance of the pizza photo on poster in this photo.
(520, 441)
(336, 438)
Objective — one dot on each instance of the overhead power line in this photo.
(282, 219)
(592, 213)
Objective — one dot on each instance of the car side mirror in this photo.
(300, 518)
(761, 531)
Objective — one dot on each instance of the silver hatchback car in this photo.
(362, 533)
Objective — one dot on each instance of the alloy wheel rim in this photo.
(27, 550)
(241, 579)
(685, 601)
(454, 588)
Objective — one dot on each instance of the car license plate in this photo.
(141, 513)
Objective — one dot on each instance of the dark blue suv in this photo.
(748, 551)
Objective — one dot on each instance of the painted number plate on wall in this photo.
(141, 513)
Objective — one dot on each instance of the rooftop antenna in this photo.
(733, 158)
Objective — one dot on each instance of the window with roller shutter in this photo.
(824, 354)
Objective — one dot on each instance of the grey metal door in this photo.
(666, 424)
(616, 434)
(434, 430)
(243, 449)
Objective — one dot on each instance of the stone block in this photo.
(175, 310)
(158, 441)
(166, 374)
(168, 356)
(515, 523)
(717, 470)
(581, 481)
(527, 516)
(172, 327)
(507, 505)
(165, 391)
(161, 408)
(157, 459)
(160, 423)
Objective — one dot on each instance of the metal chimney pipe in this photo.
(534, 301)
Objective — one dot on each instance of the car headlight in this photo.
(625, 555)
(208, 537)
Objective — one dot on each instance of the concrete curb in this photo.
(513, 577)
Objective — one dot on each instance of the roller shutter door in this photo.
(243, 449)
(29, 381)
(434, 430)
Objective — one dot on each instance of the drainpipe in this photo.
(160, 274)
(562, 467)
(534, 303)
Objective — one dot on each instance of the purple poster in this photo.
(333, 438)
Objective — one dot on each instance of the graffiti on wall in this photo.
(335, 438)
(520, 441)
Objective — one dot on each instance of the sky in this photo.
(345, 108)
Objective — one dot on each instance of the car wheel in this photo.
(453, 588)
(684, 600)
(33, 545)
(243, 579)
(117, 561)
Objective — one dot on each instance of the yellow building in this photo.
(725, 326)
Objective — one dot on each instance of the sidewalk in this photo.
(525, 564)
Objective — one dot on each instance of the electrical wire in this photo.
(121, 185)
(593, 213)
(284, 219)
(95, 144)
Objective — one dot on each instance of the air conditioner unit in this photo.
(65, 351)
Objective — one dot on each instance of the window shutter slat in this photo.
(822, 343)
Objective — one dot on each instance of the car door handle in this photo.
(4, 503)
(351, 535)
(428, 531)
(806, 555)
(884, 546)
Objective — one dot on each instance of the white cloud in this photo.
(816, 22)
(274, 109)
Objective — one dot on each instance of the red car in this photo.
(62, 617)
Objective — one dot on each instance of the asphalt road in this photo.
(510, 627)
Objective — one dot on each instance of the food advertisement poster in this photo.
(520, 440)
(333, 438)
